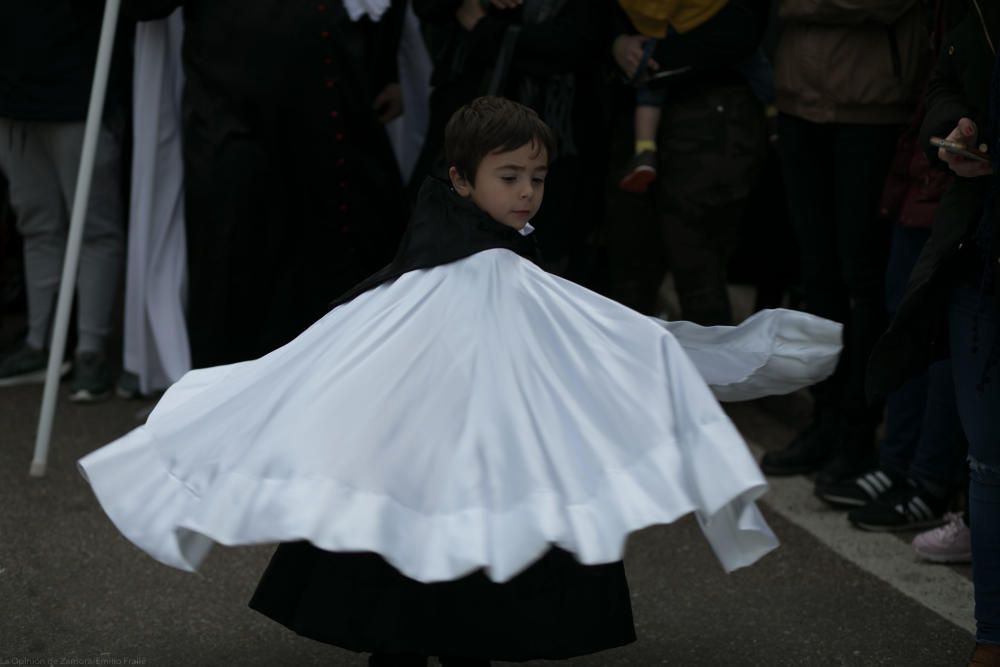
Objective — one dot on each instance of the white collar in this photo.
(527, 229)
(373, 8)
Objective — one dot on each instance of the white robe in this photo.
(156, 343)
(408, 131)
(461, 417)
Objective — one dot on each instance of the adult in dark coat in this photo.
(545, 54)
(847, 79)
(958, 89)
(292, 191)
(952, 302)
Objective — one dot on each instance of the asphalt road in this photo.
(73, 591)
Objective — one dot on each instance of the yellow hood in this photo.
(653, 17)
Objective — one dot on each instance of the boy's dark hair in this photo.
(489, 125)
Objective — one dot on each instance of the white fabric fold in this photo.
(373, 9)
(463, 417)
(772, 352)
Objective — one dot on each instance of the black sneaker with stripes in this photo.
(907, 507)
(858, 491)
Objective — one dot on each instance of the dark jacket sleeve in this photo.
(556, 46)
(436, 11)
(959, 83)
(559, 45)
(620, 23)
(946, 104)
(149, 10)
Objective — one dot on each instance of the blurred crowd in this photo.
(258, 159)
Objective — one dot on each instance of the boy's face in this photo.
(509, 185)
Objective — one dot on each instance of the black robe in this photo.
(556, 608)
(292, 193)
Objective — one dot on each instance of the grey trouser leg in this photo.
(40, 160)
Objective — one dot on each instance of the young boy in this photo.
(556, 608)
(454, 456)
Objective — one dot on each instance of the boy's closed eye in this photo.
(537, 180)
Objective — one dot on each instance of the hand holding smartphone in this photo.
(958, 148)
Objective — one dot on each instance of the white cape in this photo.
(461, 417)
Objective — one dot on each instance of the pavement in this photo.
(73, 591)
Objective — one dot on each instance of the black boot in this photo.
(807, 452)
(843, 467)
(849, 461)
(855, 451)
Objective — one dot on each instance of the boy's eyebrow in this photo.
(518, 167)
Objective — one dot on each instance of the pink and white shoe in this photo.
(950, 543)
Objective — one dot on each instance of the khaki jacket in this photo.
(851, 61)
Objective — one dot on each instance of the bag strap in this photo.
(502, 68)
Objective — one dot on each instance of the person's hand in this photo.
(388, 104)
(966, 133)
(627, 50)
(469, 13)
(506, 4)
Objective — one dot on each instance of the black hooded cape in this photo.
(444, 228)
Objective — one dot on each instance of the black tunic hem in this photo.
(556, 609)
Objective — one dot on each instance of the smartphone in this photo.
(959, 148)
(658, 78)
(667, 73)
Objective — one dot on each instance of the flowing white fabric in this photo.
(373, 9)
(772, 352)
(461, 417)
(155, 341)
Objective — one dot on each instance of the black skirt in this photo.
(557, 608)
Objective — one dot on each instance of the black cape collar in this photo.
(444, 228)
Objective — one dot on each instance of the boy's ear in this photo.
(459, 182)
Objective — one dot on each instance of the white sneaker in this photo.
(950, 543)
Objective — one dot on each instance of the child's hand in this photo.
(966, 133)
(627, 50)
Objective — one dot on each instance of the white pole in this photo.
(68, 284)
